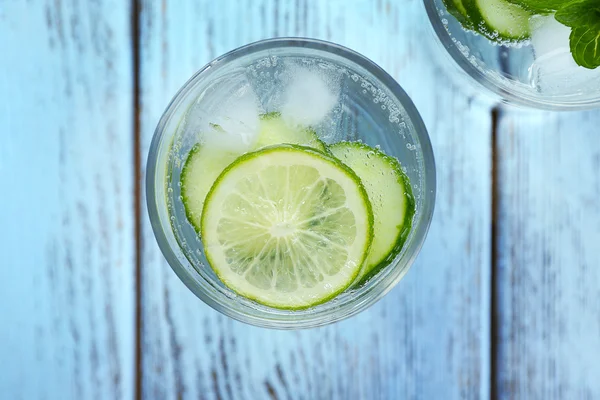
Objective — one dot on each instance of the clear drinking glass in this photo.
(372, 108)
(539, 72)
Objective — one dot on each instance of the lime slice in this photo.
(287, 226)
(391, 198)
(204, 163)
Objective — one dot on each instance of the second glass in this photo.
(532, 66)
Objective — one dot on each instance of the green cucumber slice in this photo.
(201, 169)
(499, 20)
(275, 130)
(390, 195)
(204, 163)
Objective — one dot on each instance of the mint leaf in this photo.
(585, 45)
(583, 16)
(580, 13)
(539, 6)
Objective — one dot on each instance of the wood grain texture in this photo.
(66, 302)
(429, 338)
(548, 267)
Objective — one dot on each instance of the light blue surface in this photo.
(549, 268)
(67, 303)
(66, 151)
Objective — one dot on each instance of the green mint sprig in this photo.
(583, 17)
(540, 6)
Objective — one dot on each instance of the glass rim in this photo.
(504, 93)
(374, 289)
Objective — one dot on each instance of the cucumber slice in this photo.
(457, 9)
(499, 20)
(275, 130)
(391, 197)
(201, 169)
(205, 163)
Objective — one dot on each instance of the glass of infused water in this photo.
(290, 183)
(536, 53)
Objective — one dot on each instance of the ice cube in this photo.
(309, 97)
(232, 124)
(554, 71)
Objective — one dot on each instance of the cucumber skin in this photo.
(481, 26)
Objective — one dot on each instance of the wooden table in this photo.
(503, 302)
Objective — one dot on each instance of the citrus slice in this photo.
(391, 198)
(287, 226)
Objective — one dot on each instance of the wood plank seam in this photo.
(495, 115)
(137, 195)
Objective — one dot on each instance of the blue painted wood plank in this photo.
(429, 338)
(67, 297)
(548, 279)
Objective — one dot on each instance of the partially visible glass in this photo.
(529, 73)
(373, 108)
